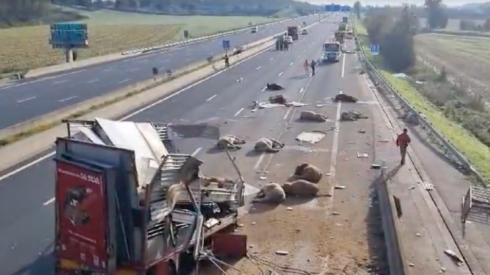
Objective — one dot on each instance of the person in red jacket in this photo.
(402, 141)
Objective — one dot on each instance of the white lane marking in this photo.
(239, 111)
(263, 89)
(66, 99)
(286, 114)
(343, 65)
(258, 67)
(280, 73)
(333, 160)
(59, 82)
(271, 59)
(291, 64)
(125, 80)
(259, 161)
(108, 70)
(26, 99)
(40, 159)
(301, 90)
(133, 70)
(211, 98)
(48, 202)
(196, 151)
(93, 81)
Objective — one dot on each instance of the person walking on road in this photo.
(227, 61)
(306, 66)
(402, 141)
(313, 67)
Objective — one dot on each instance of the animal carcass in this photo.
(312, 116)
(268, 145)
(271, 193)
(230, 142)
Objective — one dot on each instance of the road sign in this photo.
(332, 8)
(375, 49)
(69, 35)
(345, 8)
(226, 44)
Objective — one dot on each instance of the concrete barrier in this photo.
(389, 220)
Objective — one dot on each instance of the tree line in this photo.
(393, 29)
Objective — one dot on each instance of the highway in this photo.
(26, 204)
(32, 98)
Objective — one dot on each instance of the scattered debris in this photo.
(268, 145)
(263, 178)
(319, 105)
(282, 252)
(341, 97)
(271, 193)
(230, 142)
(274, 87)
(340, 187)
(311, 137)
(454, 256)
(362, 131)
(289, 208)
(335, 213)
(352, 116)
(375, 166)
(312, 116)
(400, 75)
(362, 155)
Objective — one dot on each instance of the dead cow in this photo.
(307, 172)
(271, 193)
(352, 116)
(345, 98)
(230, 142)
(268, 145)
(274, 87)
(278, 99)
(312, 116)
(300, 188)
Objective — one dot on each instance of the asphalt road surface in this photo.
(26, 198)
(32, 98)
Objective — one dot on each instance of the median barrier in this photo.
(127, 54)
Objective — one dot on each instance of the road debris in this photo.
(274, 87)
(352, 116)
(362, 155)
(457, 259)
(412, 118)
(311, 137)
(268, 145)
(312, 116)
(278, 99)
(341, 187)
(230, 142)
(282, 252)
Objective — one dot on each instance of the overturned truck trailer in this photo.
(128, 203)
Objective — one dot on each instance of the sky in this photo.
(392, 2)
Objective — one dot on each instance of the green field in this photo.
(452, 24)
(26, 48)
(474, 150)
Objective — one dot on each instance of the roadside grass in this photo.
(472, 148)
(462, 46)
(26, 48)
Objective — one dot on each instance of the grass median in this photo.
(25, 48)
(472, 148)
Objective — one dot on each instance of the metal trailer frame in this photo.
(475, 206)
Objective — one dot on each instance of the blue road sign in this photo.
(226, 44)
(69, 35)
(345, 8)
(332, 8)
(375, 49)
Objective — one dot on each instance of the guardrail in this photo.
(195, 40)
(378, 78)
